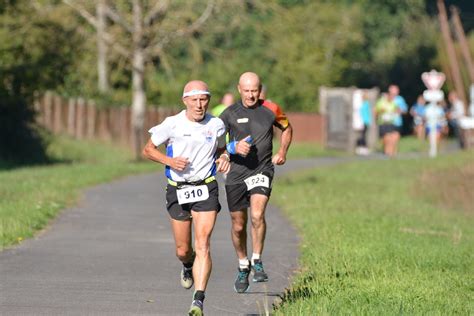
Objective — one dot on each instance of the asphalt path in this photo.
(113, 254)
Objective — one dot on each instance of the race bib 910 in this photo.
(192, 194)
(259, 180)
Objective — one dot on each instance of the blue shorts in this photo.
(438, 129)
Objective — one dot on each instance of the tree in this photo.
(307, 50)
(35, 54)
(152, 29)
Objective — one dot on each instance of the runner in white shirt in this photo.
(193, 140)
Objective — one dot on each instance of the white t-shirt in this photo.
(196, 141)
(457, 110)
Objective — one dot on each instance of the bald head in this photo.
(249, 88)
(249, 78)
(195, 87)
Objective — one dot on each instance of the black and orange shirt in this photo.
(258, 122)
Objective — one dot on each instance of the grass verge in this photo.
(31, 196)
(309, 150)
(374, 242)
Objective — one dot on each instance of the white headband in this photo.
(195, 92)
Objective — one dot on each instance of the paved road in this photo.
(113, 254)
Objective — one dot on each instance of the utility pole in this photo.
(461, 36)
(454, 65)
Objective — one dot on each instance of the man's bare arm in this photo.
(285, 140)
(151, 152)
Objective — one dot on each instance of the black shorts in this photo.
(238, 197)
(387, 128)
(183, 212)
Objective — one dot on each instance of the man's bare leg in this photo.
(184, 249)
(203, 226)
(239, 232)
(258, 204)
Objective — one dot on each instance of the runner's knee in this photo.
(184, 253)
(238, 227)
(202, 247)
(258, 220)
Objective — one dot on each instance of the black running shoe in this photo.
(241, 284)
(259, 274)
(186, 277)
(196, 308)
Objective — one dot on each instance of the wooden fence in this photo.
(82, 119)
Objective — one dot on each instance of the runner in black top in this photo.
(249, 124)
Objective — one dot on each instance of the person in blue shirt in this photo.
(402, 108)
(417, 111)
(394, 91)
(366, 116)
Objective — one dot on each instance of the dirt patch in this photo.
(451, 188)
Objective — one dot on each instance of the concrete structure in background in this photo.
(337, 106)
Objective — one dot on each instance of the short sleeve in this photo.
(160, 133)
(223, 117)
(281, 120)
(401, 103)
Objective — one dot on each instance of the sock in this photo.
(255, 256)
(189, 265)
(244, 263)
(199, 295)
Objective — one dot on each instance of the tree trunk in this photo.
(101, 48)
(138, 72)
(453, 61)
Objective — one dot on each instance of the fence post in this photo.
(71, 117)
(114, 124)
(128, 121)
(91, 119)
(47, 106)
(80, 126)
(57, 114)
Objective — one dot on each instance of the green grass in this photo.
(309, 150)
(32, 196)
(410, 144)
(373, 243)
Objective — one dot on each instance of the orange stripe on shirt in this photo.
(281, 121)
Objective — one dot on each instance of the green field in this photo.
(309, 150)
(383, 237)
(31, 196)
